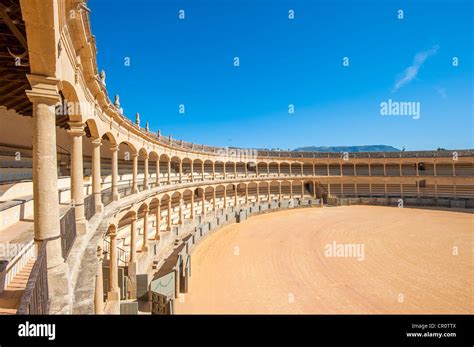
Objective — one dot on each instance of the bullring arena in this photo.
(100, 214)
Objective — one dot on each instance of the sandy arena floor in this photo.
(276, 263)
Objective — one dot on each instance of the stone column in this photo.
(114, 290)
(96, 175)
(44, 96)
(158, 172)
(168, 217)
(256, 169)
(180, 211)
(115, 193)
(214, 171)
(192, 206)
(192, 171)
(279, 170)
(214, 199)
(246, 194)
(314, 169)
(225, 197)
(76, 132)
(235, 195)
(158, 220)
(135, 173)
(290, 169)
(246, 172)
(235, 170)
(314, 189)
(225, 173)
(169, 171)
(180, 171)
(203, 202)
(99, 285)
(202, 166)
(302, 189)
(132, 264)
(291, 190)
(145, 230)
(145, 179)
(302, 170)
(268, 169)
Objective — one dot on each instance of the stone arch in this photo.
(93, 129)
(73, 109)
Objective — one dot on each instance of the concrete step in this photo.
(11, 297)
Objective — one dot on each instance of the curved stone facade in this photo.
(139, 197)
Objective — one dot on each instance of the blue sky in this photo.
(297, 62)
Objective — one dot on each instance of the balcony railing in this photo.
(68, 231)
(89, 206)
(122, 254)
(35, 298)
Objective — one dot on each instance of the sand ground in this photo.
(277, 263)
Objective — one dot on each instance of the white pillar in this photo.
(135, 173)
(132, 263)
(99, 285)
(96, 175)
(115, 194)
(76, 132)
(114, 291)
(158, 171)
(158, 220)
(145, 172)
(44, 96)
(203, 201)
(168, 217)
(169, 170)
(145, 230)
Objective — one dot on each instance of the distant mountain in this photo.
(349, 149)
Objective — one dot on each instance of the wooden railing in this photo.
(35, 298)
(68, 232)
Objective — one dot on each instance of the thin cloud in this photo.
(412, 71)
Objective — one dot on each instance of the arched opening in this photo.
(198, 170)
(296, 169)
(273, 169)
(208, 169)
(308, 169)
(165, 174)
(187, 170)
(230, 169)
(262, 169)
(284, 169)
